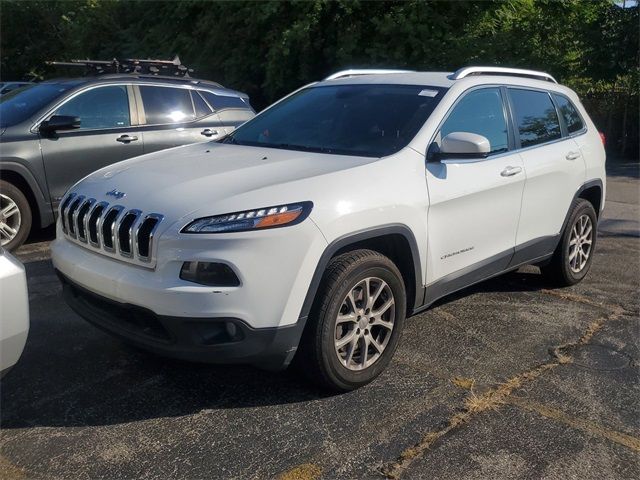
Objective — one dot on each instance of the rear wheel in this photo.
(356, 322)
(15, 216)
(572, 259)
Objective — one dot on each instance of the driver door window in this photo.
(100, 108)
(480, 112)
(474, 204)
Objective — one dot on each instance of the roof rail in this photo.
(517, 72)
(363, 71)
(143, 76)
(130, 65)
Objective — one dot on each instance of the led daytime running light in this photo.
(258, 218)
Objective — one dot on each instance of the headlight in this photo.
(257, 219)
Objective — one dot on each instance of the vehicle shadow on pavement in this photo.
(72, 374)
(130, 386)
(527, 279)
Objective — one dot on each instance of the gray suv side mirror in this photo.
(60, 122)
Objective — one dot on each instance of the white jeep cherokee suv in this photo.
(312, 231)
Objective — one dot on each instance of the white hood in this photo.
(210, 178)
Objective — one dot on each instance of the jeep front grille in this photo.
(110, 229)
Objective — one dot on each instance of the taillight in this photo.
(603, 139)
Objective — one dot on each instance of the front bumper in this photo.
(158, 311)
(275, 268)
(212, 340)
(14, 311)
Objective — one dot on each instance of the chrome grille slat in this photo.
(126, 238)
(80, 217)
(156, 218)
(113, 230)
(74, 205)
(109, 224)
(63, 210)
(100, 209)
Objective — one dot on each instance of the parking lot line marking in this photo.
(581, 424)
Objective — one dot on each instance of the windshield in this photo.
(367, 120)
(20, 104)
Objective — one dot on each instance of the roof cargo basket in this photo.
(130, 65)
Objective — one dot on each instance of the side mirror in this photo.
(463, 145)
(60, 122)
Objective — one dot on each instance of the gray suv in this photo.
(54, 133)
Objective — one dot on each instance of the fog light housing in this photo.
(212, 274)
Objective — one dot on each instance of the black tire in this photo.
(317, 356)
(559, 271)
(14, 194)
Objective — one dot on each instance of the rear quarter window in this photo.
(569, 112)
(202, 108)
(535, 117)
(220, 102)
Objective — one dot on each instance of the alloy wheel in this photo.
(10, 219)
(364, 323)
(580, 243)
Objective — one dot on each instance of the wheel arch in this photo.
(592, 192)
(22, 178)
(396, 242)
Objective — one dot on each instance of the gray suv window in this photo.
(202, 108)
(102, 107)
(166, 105)
(569, 114)
(220, 102)
(480, 112)
(536, 117)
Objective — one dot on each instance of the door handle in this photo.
(511, 171)
(126, 138)
(572, 155)
(207, 132)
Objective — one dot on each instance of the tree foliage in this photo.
(268, 48)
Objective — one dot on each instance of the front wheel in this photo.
(15, 216)
(356, 322)
(573, 256)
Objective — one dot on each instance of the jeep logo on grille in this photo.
(116, 193)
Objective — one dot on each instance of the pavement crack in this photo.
(578, 423)
(306, 471)
(494, 398)
(575, 297)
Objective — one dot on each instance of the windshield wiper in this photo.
(229, 139)
(304, 148)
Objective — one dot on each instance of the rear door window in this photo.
(535, 117)
(164, 105)
(220, 102)
(569, 113)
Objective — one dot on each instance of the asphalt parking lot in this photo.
(508, 379)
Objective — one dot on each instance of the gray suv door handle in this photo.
(511, 171)
(572, 155)
(207, 132)
(126, 138)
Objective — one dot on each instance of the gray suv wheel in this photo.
(15, 216)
